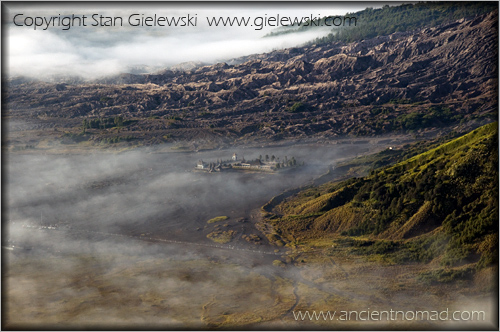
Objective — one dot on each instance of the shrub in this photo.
(216, 219)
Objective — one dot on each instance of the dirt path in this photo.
(297, 300)
(156, 239)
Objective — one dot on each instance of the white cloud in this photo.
(101, 51)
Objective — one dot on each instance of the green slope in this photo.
(370, 23)
(441, 203)
(390, 19)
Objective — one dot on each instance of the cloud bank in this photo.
(93, 52)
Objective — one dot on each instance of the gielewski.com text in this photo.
(66, 22)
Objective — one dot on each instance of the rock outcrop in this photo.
(361, 88)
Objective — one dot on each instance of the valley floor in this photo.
(106, 267)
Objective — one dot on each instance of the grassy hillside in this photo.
(389, 19)
(439, 204)
(383, 21)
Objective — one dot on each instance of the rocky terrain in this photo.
(102, 240)
(404, 82)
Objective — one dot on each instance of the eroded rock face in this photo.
(325, 90)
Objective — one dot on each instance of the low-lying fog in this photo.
(99, 268)
(107, 206)
(137, 192)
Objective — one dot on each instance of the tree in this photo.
(273, 157)
(297, 107)
(267, 157)
(84, 126)
(118, 121)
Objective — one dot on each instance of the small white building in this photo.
(235, 157)
(201, 165)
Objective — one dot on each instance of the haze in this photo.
(130, 247)
(92, 52)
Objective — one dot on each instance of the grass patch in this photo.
(217, 219)
(279, 263)
(443, 276)
(221, 236)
